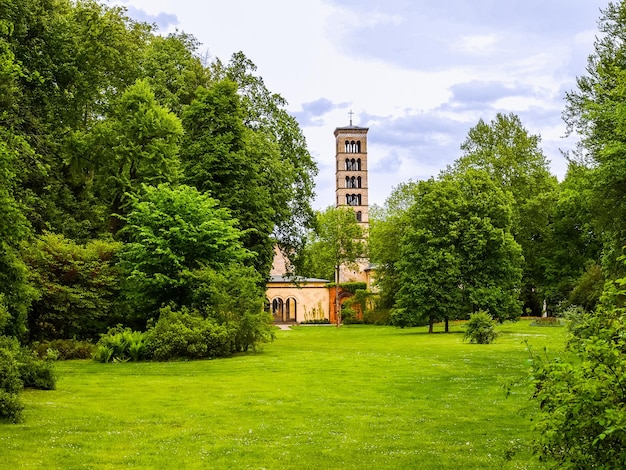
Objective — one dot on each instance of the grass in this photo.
(317, 398)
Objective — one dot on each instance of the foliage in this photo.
(581, 421)
(480, 328)
(234, 296)
(546, 321)
(77, 287)
(595, 111)
(171, 232)
(513, 160)
(137, 144)
(337, 241)
(120, 345)
(63, 349)
(278, 144)
(387, 226)
(588, 288)
(186, 334)
(20, 368)
(457, 252)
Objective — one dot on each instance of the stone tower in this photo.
(351, 170)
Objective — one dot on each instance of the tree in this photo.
(512, 158)
(574, 245)
(137, 144)
(289, 176)
(338, 241)
(581, 421)
(595, 111)
(77, 287)
(387, 225)
(234, 164)
(171, 232)
(457, 253)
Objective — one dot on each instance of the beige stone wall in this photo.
(309, 297)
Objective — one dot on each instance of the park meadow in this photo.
(317, 397)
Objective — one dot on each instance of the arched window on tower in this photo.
(353, 165)
(348, 165)
(347, 148)
(358, 182)
(358, 146)
(349, 199)
(353, 182)
(357, 199)
(347, 182)
(357, 165)
(359, 216)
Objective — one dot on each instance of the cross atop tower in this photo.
(351, 114)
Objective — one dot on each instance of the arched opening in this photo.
(291, 313)
(347, 147)
(348, 165)
(359, 216)
(357, 165)
(358, 181)
(353, 182)
(278, 309)
(347, 182)
(358, 146)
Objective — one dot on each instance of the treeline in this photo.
(136, 176)
(495, 231)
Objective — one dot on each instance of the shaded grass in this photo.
(319, 397)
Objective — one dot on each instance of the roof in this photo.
(295, 279)
(351, 128)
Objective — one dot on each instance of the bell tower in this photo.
(351, 170)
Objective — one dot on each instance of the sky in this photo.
(418, 73)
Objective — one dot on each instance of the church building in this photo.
(304, 299)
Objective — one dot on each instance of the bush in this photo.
(65, 349)
(581, 419)
(379, 316)
(186, 334)
(10, 407)
(120, 345)
(481, 328)
(20, 368)
(546, 321)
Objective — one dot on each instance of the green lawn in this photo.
(318, 397)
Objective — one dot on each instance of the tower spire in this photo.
(351, 114)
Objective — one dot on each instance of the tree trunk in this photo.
(337, 306)
(431, 322)
(447, 328)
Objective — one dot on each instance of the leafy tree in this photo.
(574, 243)
(581, 421)
(173, 70)
(137, 144)
(338, 241)
(289, 173)
(234, 164)
(512, 158)
(457, 254)
(596, 112)
(386, 228)
(480, 328)
(14, 228)
(77, 287)
(170, 233)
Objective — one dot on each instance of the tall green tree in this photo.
(138, 144)
(291, 177)
(171, 232)
(595, 111)
(513, 159)
(457, 254)
(386, 228)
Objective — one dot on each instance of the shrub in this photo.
(65, 348)
(546, 321)
(481, 328)
(378, 316)
(186, 334)
(120, 345)
(580, 396)
(10, 407)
